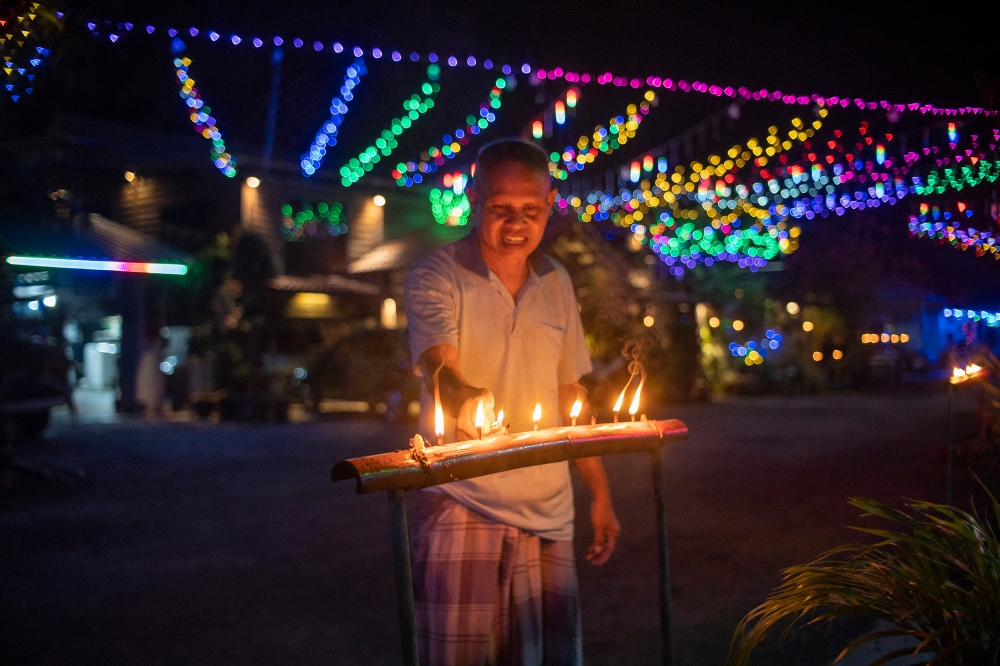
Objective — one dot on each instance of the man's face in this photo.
(512, 205)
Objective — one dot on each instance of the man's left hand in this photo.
(606, 531)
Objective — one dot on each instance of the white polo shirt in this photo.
(520, 351)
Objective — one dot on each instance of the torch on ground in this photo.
(422, 466)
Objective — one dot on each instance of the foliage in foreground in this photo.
(937, 580)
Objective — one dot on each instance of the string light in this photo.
(821, 183)
(449, 208)
(415, 107)
(327, 134)
(754, 353)
(992, 319)
(434, 157)
(22, 60)
(602, 140)
(608, 78)
(306, 223)
(199, 113)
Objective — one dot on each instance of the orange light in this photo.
(571, 98)
(575, 412)
(537, 130)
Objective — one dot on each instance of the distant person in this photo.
(494, 569)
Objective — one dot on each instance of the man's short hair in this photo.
(511, 150)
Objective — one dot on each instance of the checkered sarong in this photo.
(490, 594)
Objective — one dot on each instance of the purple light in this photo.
(297, 42)
(278, 41)
(172, 32)
(317, 46)
(470, 61)
(452, 60)
(376, 52)
(257, 42)
(414, 56)
(358, 52)
(214, 36)
(193, 32)
(338, 47)
(236, 39)
(150, 29)
(396, 57)
(113, 38)
(526, 68)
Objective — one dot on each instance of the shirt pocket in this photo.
(546, 340)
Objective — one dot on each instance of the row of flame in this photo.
(958, 375)
(480, 420)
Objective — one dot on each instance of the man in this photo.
(494, 321)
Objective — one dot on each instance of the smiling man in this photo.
(496, 321)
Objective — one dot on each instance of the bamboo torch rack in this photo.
(401, 471)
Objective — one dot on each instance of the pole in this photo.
(666, 620)
(277, 55)
(404, 576)
(951, 443)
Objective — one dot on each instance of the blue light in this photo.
(327, 135)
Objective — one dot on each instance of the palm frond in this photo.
(935, 577)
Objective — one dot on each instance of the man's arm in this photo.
(602, 513)
(459, 399)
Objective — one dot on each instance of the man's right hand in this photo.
(465, 425)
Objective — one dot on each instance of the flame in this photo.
(577, 406)
(635, 400)
(972, 369)
(537, 416)
(438, 413)
(500, 417)
(958, 372)
(480, 418)
(621, 398)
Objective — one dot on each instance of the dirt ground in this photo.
(202, 544)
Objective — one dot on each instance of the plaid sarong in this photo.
(490, 594)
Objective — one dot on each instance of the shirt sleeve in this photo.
(430, 299)
(575, 360)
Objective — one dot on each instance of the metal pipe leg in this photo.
(951, 445)
(666, 618)
(404, 576)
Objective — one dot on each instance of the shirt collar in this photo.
(470, 257)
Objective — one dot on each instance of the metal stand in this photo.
(404, 572)
(951, 445)
(666, 618)
(404, 576)
(400, 471)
